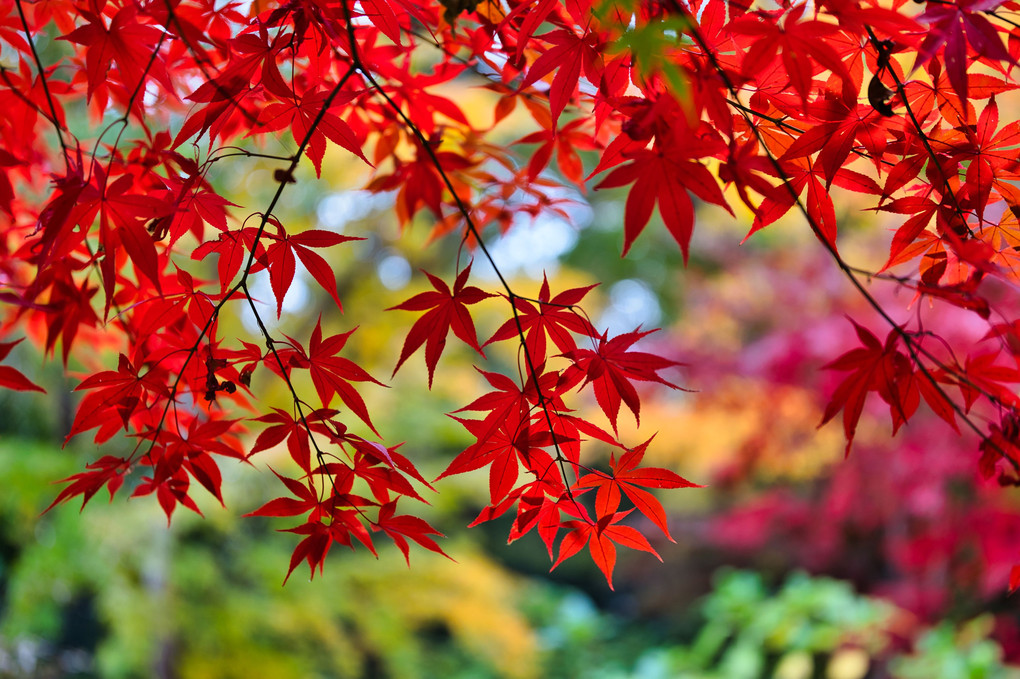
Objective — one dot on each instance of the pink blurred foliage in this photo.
(906, 517)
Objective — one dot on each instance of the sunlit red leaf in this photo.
(446, 309)
(10, 378)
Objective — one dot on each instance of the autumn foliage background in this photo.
(229, 227)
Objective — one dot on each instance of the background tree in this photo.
(129, 244)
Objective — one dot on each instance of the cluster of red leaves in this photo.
(678, 99)
(529, 428)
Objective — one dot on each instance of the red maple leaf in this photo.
(630, 480)
(840, 129)
(332, 374)
(280, 261)
(170, 491)
(125, 207)
(331, 519)
(446, 309)
(11, 378)
(745, 169)
(800, 172)
(566, 142)
(665, 176)
(399, 528)
(984, 376)
(570, 55)
(992, 155)
(195, 448)
(232, 248)
(510, 401)
(115, 396)
(799, 44)
(125, 42)
(503, 448)
(611, 368)
(877, 367)
(533, 499)
(107, 471)
(602, 538)
(957, 25)
(300, 113)
(304, 499)
(284, 427)
(554, 318)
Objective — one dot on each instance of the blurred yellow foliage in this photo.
(473, 599)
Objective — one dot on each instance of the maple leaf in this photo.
(612, 367)
(252, 58)
(376, 453)
(203, 439)
(304, 499)
(300, 113)
(285, 427)
(341, 527)
(503, 448)
(569, 56)
(554, 318)
(630, 480)
(116, 395)
(798, 44)
(1004, 237)
(834, 138)
(984, 376)
(602, 538)
(329, 520)
(877, 367)
(331, 374)
(742, 161)
(10, 378)
(992, 155)
(665, 177)
(940, 94)
(511, 403)
(534, 500)
(566, 142)
(124, 210)
(957, 26)
(382, 468)
(399, 528)
(800, 172)
(280, 260)
(170, 456)
(312, 549)
(107, 471)
(922, 209)
(194, 209)
(232, 248)
(125, 42)
(446, 309)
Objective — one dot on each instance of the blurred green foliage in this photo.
(114, 592)
(809, 628)
(966, 653)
